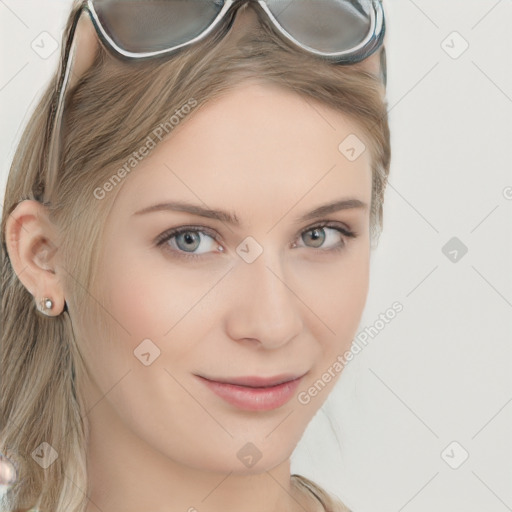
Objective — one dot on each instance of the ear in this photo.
(33, 246)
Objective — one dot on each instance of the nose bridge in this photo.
(266, 309)
(257, 5)
(239, 3)
(236, 4)
(267, 276)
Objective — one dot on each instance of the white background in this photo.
(441, 370)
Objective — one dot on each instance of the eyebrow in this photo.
(231, 217)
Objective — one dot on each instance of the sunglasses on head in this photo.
(345, 31)
(339, 31)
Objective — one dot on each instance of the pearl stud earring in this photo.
(45, 305)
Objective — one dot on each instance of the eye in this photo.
(326, 236)
(184, 241)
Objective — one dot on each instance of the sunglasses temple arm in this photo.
(383, 66)
(56, 123)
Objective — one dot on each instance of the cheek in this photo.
(151, 297)
(338, 299)
(148, 296)
(352, 293)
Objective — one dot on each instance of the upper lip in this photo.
(255, 381)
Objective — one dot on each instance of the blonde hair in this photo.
(110, 112)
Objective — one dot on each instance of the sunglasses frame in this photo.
(367, 47)
(364, 49)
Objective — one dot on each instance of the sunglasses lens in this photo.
(153, 25)
(330, 26)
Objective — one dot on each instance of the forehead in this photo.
(257, 142)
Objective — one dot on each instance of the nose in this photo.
(263, 308)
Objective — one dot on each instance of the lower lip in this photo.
(254, 399)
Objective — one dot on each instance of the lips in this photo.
(254, 393)
(256, 382)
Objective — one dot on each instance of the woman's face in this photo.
(269, 296)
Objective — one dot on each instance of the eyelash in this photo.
(168, 235)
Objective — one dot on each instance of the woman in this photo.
(148, 375)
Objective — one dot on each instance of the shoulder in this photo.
(322, 501)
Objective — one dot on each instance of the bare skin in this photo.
(160, 440)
